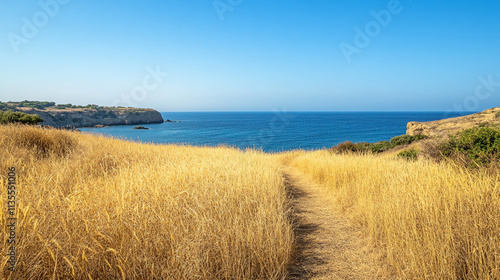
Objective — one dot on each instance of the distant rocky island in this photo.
(453, 125)
(68, 115)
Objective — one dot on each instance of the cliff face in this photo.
(85, 117)
(453, 125)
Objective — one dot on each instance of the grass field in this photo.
(98, 208)
(431, 221)
(91, 207)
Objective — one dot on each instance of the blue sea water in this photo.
(273, 131)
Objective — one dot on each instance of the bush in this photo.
(381, 146)
(378, 147)
(348, 147)
(64, 106)
(18, 117)
(430, 149)
(479, 146)
(405, 139)
(409, 154)
(35, 104)
(5, 106)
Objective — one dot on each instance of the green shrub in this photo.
(5, 106)
(35, 104)
(378, 147)
(381, 146)
(409, 154)
(18, 117)
(479, 146)
(405, 139)
(64, 106)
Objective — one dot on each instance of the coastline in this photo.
(100, 117)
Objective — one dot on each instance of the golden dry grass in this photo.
(91, 207)
(431, 221)
(99, 208)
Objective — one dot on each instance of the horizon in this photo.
(338, 111)
(242, 56)
(273, 111)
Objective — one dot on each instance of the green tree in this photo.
(19, 117)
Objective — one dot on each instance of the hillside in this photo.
(84, 116)
(92, 207)
(88, 206)
(452, 125)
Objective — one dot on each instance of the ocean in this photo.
(272, 131)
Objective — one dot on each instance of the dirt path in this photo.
(329, 245)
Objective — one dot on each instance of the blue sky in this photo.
(242, 55)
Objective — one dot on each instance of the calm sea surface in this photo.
(273, 131)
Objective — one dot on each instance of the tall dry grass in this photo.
(432, 221)
(98, 208)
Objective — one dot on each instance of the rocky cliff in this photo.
(453, 125)
(87, 117)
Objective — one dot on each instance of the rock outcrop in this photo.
(87, 117)
(453, 125)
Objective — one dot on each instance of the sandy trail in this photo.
(329, 246)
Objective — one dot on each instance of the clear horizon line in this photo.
(320, 111)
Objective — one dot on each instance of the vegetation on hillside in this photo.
(411, 154)
(92, 207)
(472, 148)
(44, 105)
(431, 220)
(19, 117)
(6, 107)
(34, 104)
(379, 147)
(475, 147)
